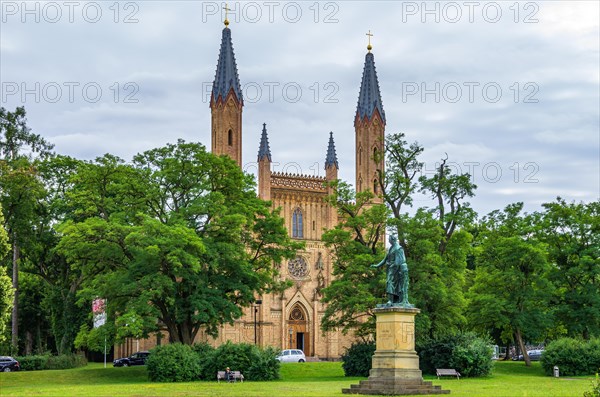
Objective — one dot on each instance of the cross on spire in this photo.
(226, 21)
(369, 47)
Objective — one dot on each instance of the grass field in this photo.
(298, 380)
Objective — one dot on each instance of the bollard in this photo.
(556, 372)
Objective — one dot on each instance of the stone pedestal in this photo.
(395, 366)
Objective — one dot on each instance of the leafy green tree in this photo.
(356, 244)
(436, 240)
(511, 290)
(181, 241)
(19, 189)
(572, 234)
(6, 290)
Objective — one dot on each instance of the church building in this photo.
(292, 319)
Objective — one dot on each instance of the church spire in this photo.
(226, 104)
(226, 77)
(331, 159)
(369, 127)
(369, 99)
(264, 151)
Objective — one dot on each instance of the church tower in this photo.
(369, 126)
(226, 103)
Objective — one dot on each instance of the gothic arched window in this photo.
(375, 186)
(360, 156)
(297, 229)
(230, 138)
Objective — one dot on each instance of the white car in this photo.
(291, 356)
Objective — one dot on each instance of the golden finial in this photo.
(226, 21)
(370, 47)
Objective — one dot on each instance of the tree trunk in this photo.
(522, 347)
(28, 343)
(507, 355)
(15, 284)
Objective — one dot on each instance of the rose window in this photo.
(298, 267)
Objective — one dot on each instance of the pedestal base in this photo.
(395, 366)
(393, 386)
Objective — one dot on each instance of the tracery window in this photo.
(298, 267)
(297, 229)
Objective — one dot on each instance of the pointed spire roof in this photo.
(226, 77)
(369, 98)
(264, 151)
(331, 159)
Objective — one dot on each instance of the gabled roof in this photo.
(226, 77)
(369, 98)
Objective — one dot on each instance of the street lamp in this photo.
(291, 333)
(255, 306)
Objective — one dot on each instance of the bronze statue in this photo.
(397, 275)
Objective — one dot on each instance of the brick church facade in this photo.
(292, 319)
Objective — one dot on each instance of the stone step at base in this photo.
(394, 392)
(394, 386)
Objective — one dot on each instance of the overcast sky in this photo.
(509, 90)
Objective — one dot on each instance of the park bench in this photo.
(447, 372)
(235, 376)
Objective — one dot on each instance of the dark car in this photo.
(8, 364)
(138, 358)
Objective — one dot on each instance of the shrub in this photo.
(204, 351)
(473, 357)
(595, 392)
(357, 359)
(173, 363)
(65, 361)
(466, 352)
(572, 356)
(32, 363)
(252, 362)
(265, 366)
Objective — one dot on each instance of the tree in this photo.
(6, 290)
(182, 241)
(356, 244)
(572, 234)
(435, 239)
(17, 147)
(511, 291)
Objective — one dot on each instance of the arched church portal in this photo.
(298, 330)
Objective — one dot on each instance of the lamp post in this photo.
(255, 307)
(291, 333)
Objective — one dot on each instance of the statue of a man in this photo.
(397, 274)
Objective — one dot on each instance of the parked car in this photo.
(138, 358)
(8, 364)
(291, 356)
(534, 355)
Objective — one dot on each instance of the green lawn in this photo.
(298, 380)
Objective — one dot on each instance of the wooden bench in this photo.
(447, 372)
(235, 376)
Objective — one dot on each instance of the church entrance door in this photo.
(298, 329)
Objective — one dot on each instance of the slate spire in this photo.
(226, 77)
(331, 159)
(369, 98)
(264, 151)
